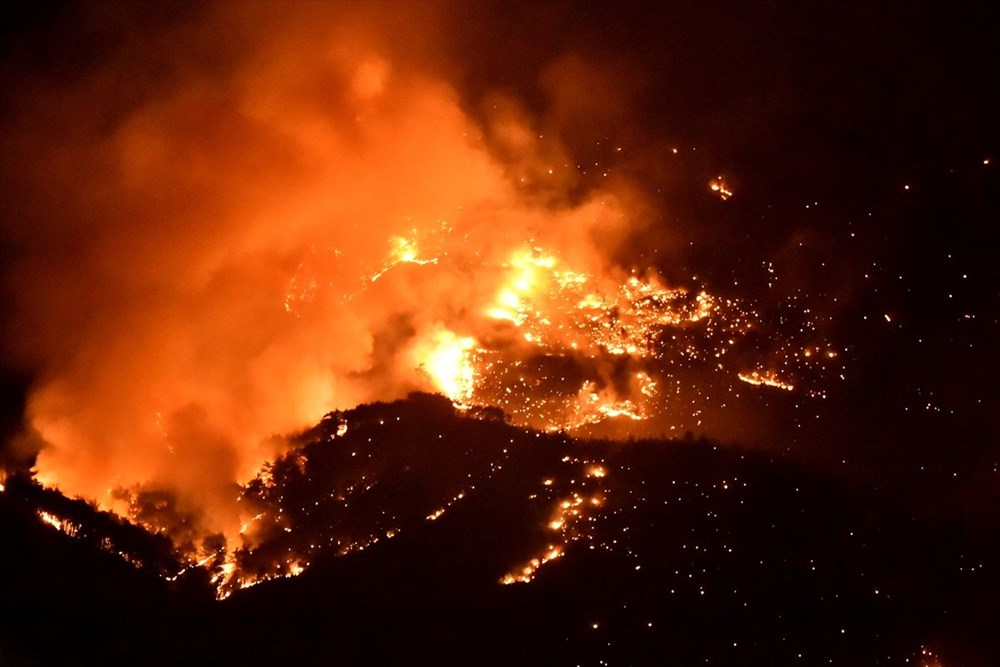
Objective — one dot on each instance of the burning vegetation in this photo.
(323, 223)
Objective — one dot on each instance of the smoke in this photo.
(218, 217)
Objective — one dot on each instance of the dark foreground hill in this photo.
(680, 553)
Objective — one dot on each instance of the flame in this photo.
(325, 225)
(60, 524)
(404, 251)
(526, 572)
(540, 308)
(721, 188)
(570, 519)
(438, 513)
(765, 378)
(449, 364)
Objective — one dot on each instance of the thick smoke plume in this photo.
(215, 219)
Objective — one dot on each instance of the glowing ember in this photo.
(526, 572)
(929, 658)
(62, 525)
(546, 351)
(438, 513)
(766, 378)
(395, 252)
(721, 188)
(542, 310)
(571, 519)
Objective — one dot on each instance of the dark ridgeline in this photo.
(699, 555)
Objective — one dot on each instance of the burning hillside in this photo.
(302, 218)
(604, 331)
(406, 520)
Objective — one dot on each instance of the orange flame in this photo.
(236, 283)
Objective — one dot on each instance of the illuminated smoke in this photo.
(217, 235)
(245, 219)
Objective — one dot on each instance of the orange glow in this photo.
(766, 378)
(449, 364)
(526, 573)
(60, 524)
(929, 658)
(721, 188)
(438, 513)
(317, 223)
(404, 251)
(570, 520)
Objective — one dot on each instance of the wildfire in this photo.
(404, 251)
(438, 513)
(591, 407)
(560, 309)
(545, 314)
(449, 363)
(373, 244)
(721, 188)
(60, 524)
(570, 519)
(526, 573)
(541, 310)
(766, 378)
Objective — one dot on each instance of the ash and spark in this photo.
(221, 241)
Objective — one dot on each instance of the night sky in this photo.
(198, 201)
